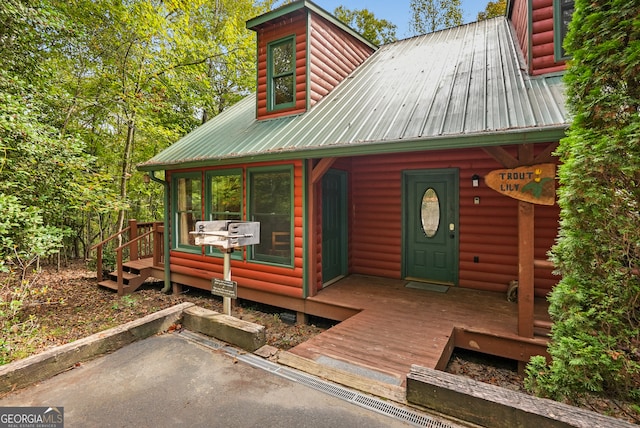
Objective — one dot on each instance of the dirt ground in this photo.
(74, 306)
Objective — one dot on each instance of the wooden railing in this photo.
(144, 240)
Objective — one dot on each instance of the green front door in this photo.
(430, 226)
(334, 225)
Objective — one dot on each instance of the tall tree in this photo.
(492, 10)
(596, 311)
(377, 31)
(430, 15)
(48, 173)
(144, 73)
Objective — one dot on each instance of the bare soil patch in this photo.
(74, 307)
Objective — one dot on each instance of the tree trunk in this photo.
(124, 178)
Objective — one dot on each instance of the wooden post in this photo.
(119, 271)
(525, 268)
(526, 220)
(99, 263)
(133, 234)
(177, 288)
(157, 244)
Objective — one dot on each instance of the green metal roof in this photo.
(457, 88)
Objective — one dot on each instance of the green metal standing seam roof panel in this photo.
(455, 88)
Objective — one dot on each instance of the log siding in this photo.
(488, 231)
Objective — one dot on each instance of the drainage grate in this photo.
(354, 397)
(397, 412)
(319, 385)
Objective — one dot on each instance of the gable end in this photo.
(325, 52)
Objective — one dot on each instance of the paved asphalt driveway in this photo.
(169, 380)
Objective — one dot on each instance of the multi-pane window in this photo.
(224, 200)
(188, 208)
(270, 202)
(269, 193)
(563, 13)
(281, 71)
(225, 195)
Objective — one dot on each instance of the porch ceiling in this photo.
(457, 88)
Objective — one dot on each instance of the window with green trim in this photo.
(281, 74)
(187, 203)
(563, 12)
(271, 203)
(224, 191)
(224, 200)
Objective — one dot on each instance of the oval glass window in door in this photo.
(430, 212)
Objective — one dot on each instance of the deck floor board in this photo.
(399, 326)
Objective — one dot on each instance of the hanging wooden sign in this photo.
(535, 183)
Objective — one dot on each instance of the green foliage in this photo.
(595, 307)
(23, 236)
(139, 75)
(23, 240)
(377, 31)
(89, 89)
(432, 15)
(493, 10)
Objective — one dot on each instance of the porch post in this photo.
(525, 268)
(526, 219)
(133, 234)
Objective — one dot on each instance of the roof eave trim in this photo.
(485, 139)
(252, 24)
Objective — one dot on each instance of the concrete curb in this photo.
(36, 368)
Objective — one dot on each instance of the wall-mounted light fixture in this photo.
(475, 180)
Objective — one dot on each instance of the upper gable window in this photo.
(563, 12)
(281, 74)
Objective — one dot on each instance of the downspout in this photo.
(165, 235)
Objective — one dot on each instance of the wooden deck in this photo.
(398, 326)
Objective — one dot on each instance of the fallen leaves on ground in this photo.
(75, 307)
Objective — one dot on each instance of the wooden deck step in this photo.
(140, 264)
(134, 274)
(110, 284)
(126, 276)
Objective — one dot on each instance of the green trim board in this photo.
(487, 139)
(306, 206)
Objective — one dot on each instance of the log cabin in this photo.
(426, 161)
